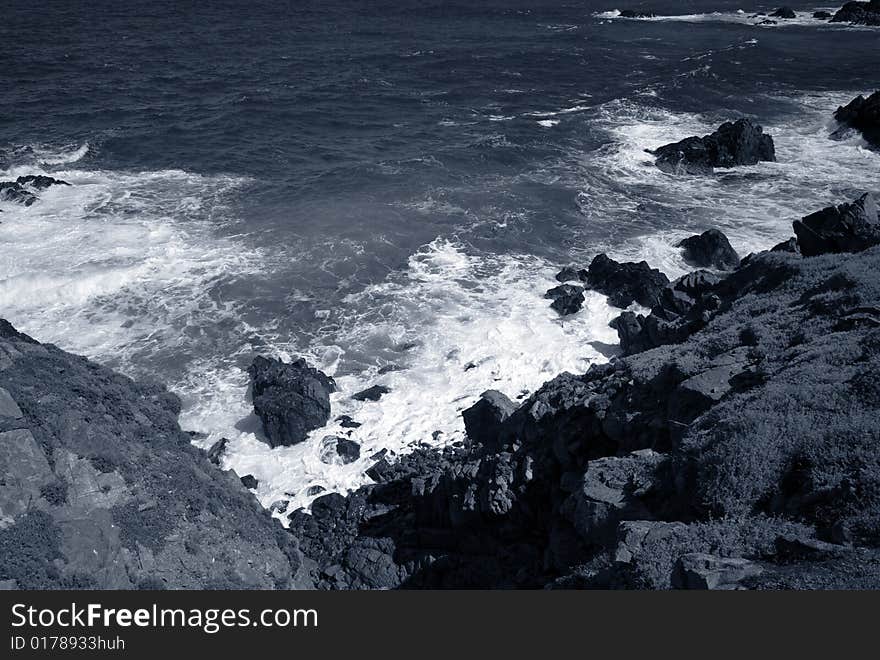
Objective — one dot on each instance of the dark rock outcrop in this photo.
(783, 12)
(483, 419)
(372, 393)
(101, 489)
(734, 143)
(625, 283)
(290, 399)
(851, 227)
(40, 181)
(711, 249)
(860, 13)
(861, 114)
(567, 298)
(822, 15)
(339, 450)
(10, 191)
(250, 482)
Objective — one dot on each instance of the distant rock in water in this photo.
(784, 12)
(845, 228)
(625, 283)
(11, 191)
(290, 399)
(860, 13)
(339, 450)
(822, 15)
(40, 182)
(567, 298)
(861, 114)
(632, 13)
(570, 274)
(711, 249)
(734, 143)
(373, 393)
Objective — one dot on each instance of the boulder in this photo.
(290, 399)
(822, 15)
(711, 249)
(851, 227)
(734, 143)
(40, 181)
(567, 298)
(698, 570)
(483, 420)
(346, 422)
(339, 451)
(861, 114)
(10, 191)
(860, 13)
(783, 12)
(373, 393)
(625, 283)
(250, 482)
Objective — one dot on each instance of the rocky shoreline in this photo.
(735, 444)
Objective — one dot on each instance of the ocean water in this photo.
(385, 188)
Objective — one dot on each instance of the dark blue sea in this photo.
(386, 188)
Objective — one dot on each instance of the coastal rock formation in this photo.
(290, 399)
(99, 487)
(822, 15)
(711, 249)
(632, 13)
(567, 298)
(372, 393)
(21, 191)
(860, 13)
(625, 283)
(845, 228)
(861, 114)
(734, 143)
(742, 457)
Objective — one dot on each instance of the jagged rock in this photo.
(290, 399)
(567, 298)
(861, 114)
(734, 143)
(339, 450)
(860, 13)
(612, 489)
(791, 245)
(346, 422)
(625, 283)
(483, 420)
(783, 12)
(711, 249)
(633, 535)
(216, 451)
(703, 571)
(849, 227)
(570, 274)
(10, 191)
(40, 181)
(250, 482)
(373, 393)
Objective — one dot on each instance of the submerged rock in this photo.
(40, 181)
(290, 399)
(711, 249)
(822, 15)
(860, 13)
(632, 13)
(625, 283)
(861, 114)
(567, 298)
(734, 143)
(845, 228)
(373, 393)
(11, 191)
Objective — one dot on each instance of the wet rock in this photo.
(783, 12)
(861, 114)
(567, 298)
(860, 13)
(10, 191)
(290, 399)
(851, 227)
(339, 450)
(40, 181)
(373, 393)
(822, 15)
(250, 482)
(711, 249)
(483, 420)
(734, 143)
(569, 274)
(216, 451)
(346, 422)
(704, 571)
(625, 283)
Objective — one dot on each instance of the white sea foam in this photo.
(477, 323)
(802, 18)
